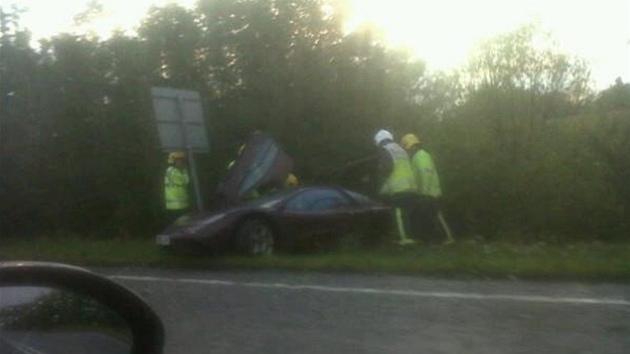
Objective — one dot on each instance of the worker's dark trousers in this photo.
(403, 205)
(428, 223)
(425, 219)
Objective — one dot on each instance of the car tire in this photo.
(255, 237)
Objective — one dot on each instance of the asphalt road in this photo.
(277, 312)
(18, 342)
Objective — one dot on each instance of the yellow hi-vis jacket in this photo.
(176, 189)
(401, 179)
(426, 174)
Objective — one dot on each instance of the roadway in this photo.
(287, 312)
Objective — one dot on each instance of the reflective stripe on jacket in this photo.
(176, 189)
(401, 178)
(426, 174)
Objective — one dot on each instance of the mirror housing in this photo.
(145, 326)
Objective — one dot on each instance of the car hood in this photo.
(195, 221)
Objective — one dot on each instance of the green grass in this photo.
(581, 261)
(81, 250)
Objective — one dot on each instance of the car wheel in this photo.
(255, 237)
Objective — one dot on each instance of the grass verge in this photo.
(581, 261)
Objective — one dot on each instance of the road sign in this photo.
(181, 126)
(179, 115)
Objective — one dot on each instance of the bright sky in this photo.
(442, 32)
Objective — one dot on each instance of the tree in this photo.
(615, 97)
(172, 40)
(508, 164)
(608, 137)
(529, 59)
(20, 122)
(521, 79)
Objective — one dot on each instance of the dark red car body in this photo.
(299, 218)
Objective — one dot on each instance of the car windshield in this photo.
(316, 200)
(360, 176)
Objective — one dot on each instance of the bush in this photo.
(555, 184)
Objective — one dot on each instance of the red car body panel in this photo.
(292, 219)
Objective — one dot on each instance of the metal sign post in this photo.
(181, 127)
(190, 154)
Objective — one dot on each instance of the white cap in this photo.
(382, 135)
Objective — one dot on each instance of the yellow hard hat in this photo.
(291, 181)
(175, 155)
(408, 141)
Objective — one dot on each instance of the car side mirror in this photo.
(55, 308)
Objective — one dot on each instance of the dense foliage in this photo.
(526, 150)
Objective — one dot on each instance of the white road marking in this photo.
(22, 348)
(407, 293)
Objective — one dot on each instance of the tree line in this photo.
(526, 149)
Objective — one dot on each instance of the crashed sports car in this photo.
(289, 220)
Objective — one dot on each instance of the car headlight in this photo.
(163, 240)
